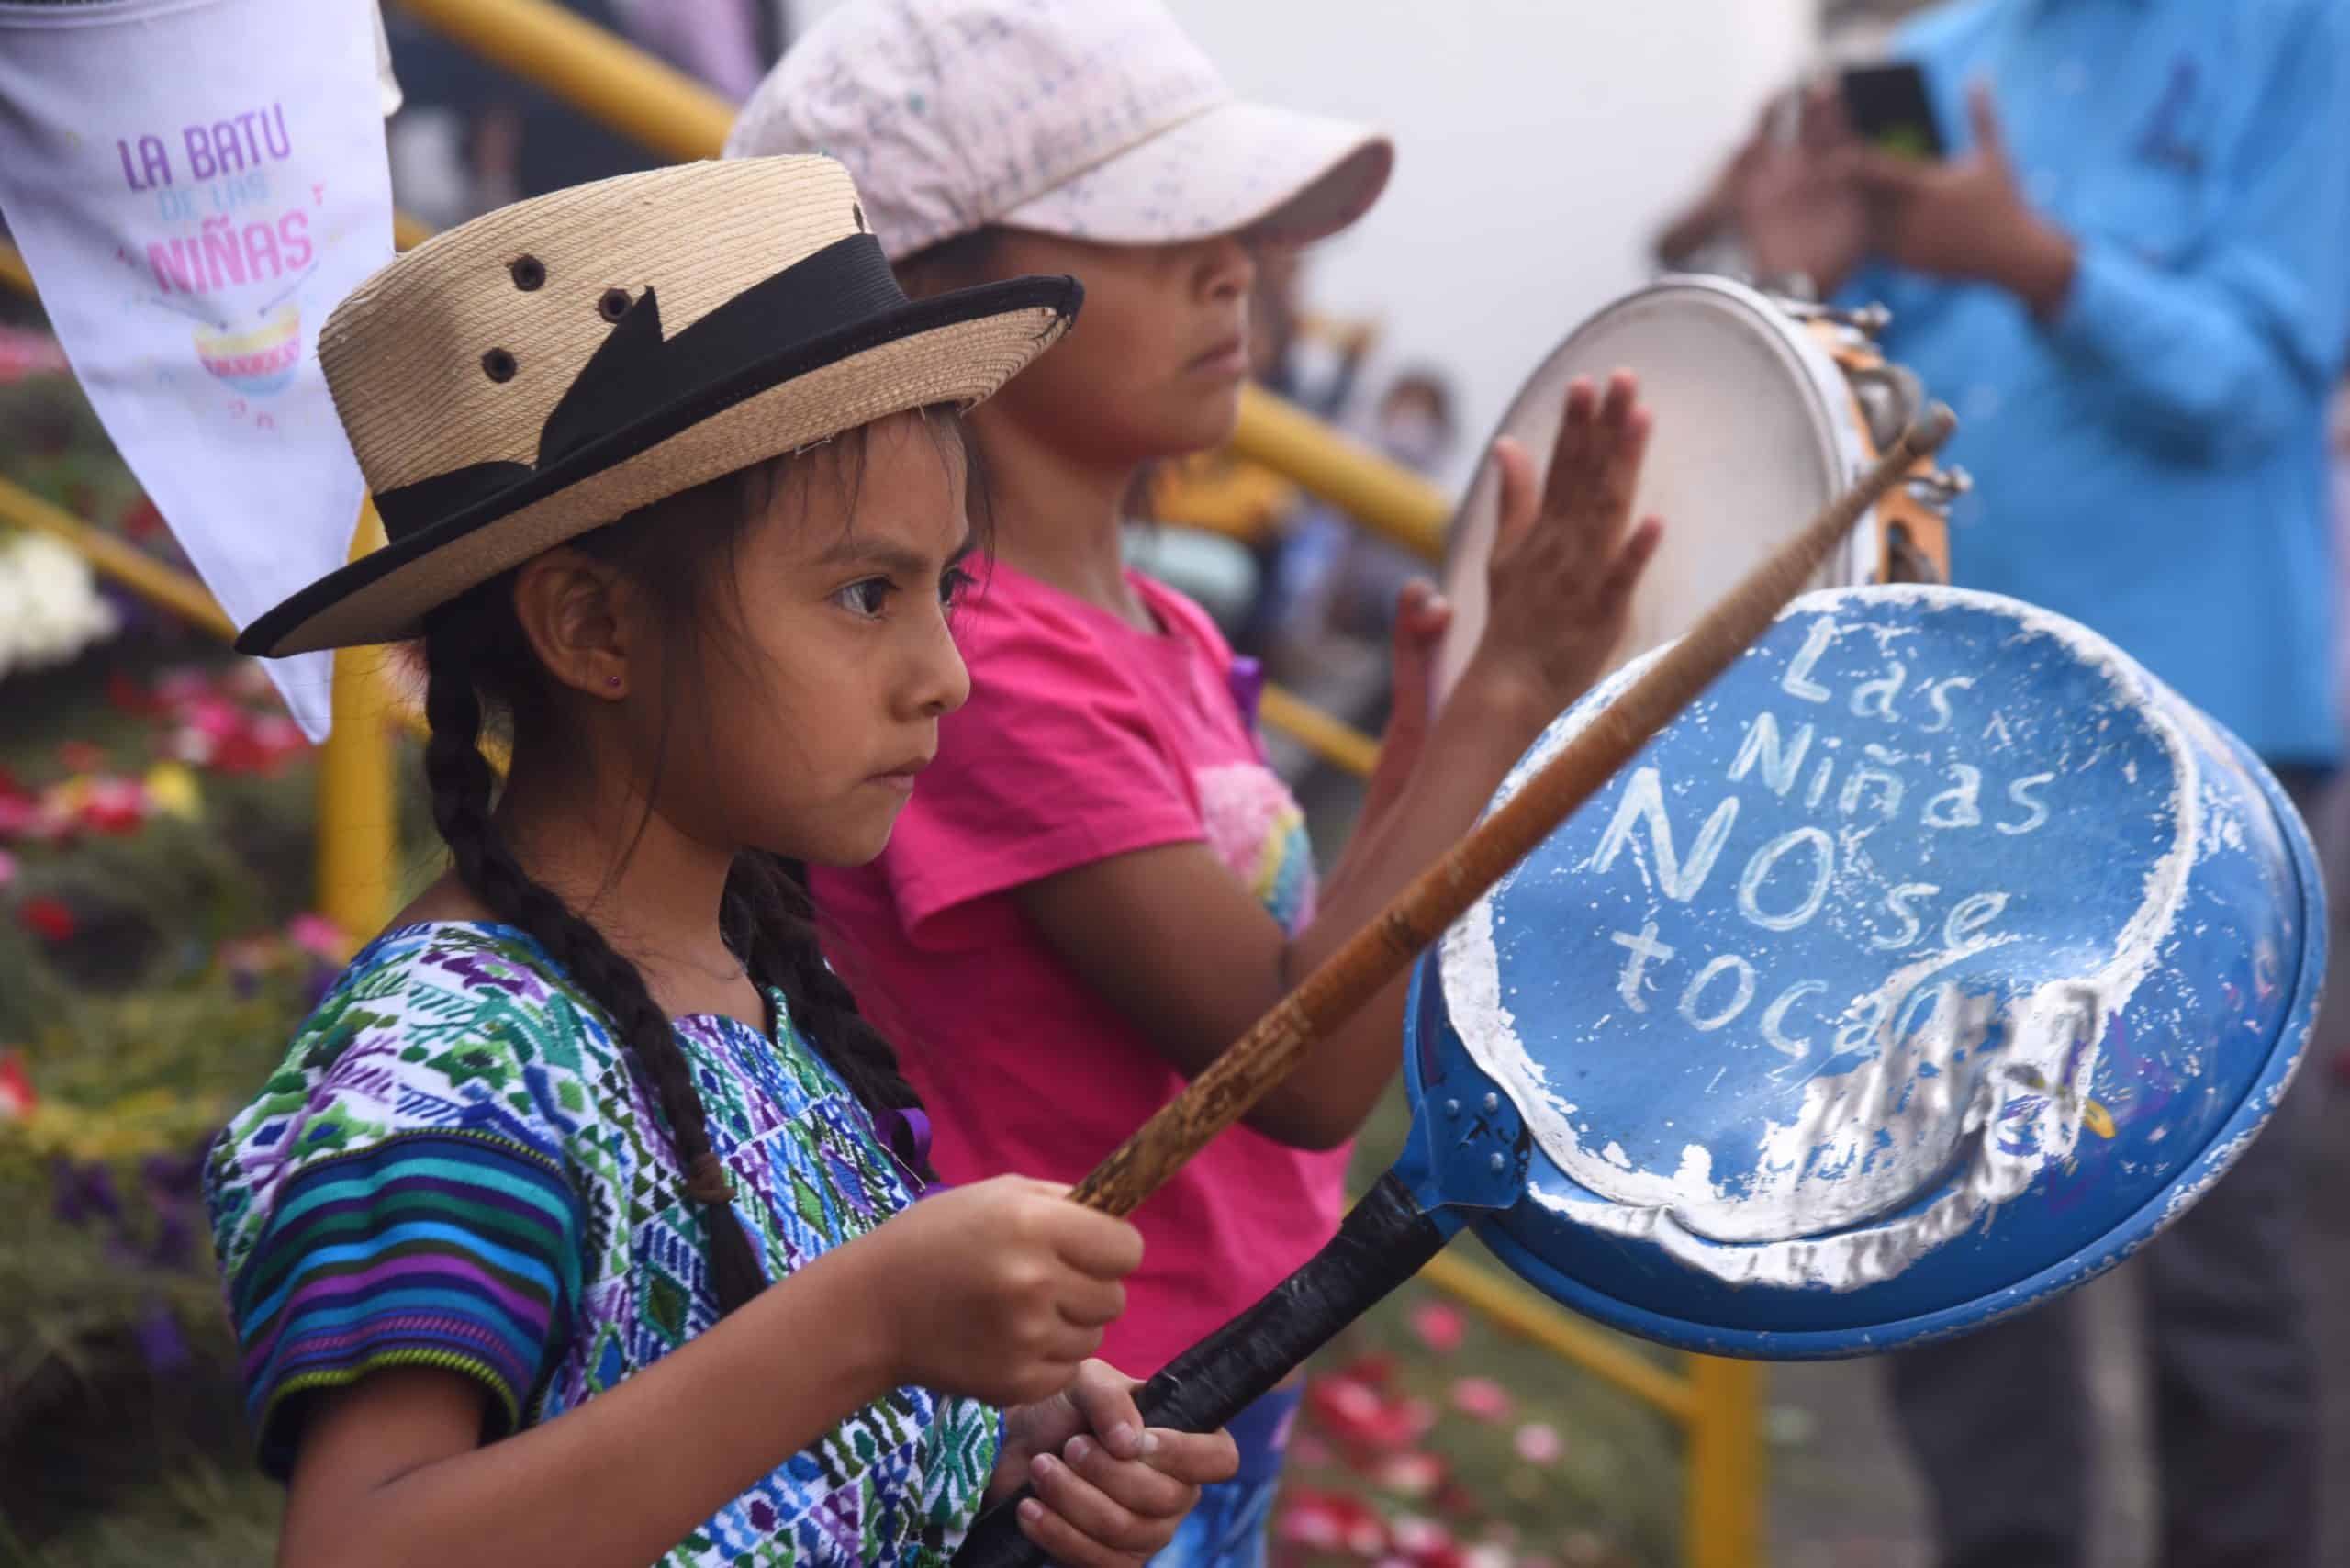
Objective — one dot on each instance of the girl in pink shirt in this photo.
(1099, 883)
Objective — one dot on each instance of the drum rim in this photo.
(1825, 382)
(2261, 1094)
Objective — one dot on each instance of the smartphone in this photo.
(1890, 110)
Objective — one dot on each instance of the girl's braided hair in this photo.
(475, 651)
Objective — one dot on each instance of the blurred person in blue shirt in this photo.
(2131, 275)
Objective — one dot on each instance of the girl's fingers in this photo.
(1422, 614)
(1139, 1485)
(1571, 454)
(1094, 1244)
(1623, 574)
(1071, 1348)
(1623, 389)
(1092, 1304)
(1063, 1543)
(1516, 507)
(1620, 479)
(1200, 1458)
(1103, 1398)
(1089, 1510)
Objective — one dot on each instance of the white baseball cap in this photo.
(1093, 119)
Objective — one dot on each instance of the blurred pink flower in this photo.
(16, 1096)
(212, 717)
(319, 936)
(1357, 1416)
(1481, 1398)
(1440, 1326)
(114, 805)
(1538, 1442)
(1331, 1521)
(1416, 1537)
(187, 684)
(1412, 1473)
(7, 868)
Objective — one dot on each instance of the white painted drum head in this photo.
(1755, 432)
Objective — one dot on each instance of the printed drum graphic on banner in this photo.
(196, 183)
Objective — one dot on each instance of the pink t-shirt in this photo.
(1083, 739)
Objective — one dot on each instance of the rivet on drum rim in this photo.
(498, 365)
(613, 304)
(528, 272)
(1493, 1104)
(1452, 1107)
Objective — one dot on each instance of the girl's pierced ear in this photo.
(613, 681)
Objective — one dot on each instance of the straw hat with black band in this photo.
(554, 366)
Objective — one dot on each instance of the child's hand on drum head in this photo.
(1566, 560)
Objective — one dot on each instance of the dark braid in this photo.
(462, 786)
(771, 925)
(475, 648)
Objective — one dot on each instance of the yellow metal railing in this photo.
(1717, 1403)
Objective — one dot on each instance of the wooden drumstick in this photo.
(1381, 952)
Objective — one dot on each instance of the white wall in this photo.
(1539, 143)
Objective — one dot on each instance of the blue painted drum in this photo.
(1923, 968)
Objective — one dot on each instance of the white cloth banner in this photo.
(194, 184)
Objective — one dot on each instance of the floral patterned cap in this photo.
(1094, 119)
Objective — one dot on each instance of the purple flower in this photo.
(174, 1175)
(161, 1343)
(174, 1240)
(85, 1193)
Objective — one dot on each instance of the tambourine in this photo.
(1765, 408)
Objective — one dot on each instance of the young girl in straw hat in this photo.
(1102, 884)
(579, 1224)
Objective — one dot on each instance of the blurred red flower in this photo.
(48, 919)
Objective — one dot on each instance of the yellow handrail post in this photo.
(355, 826)
(1383, 496)
(1724, 1490)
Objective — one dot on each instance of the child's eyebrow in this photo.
(864, 550)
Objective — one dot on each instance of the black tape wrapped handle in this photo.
(1383, 1241)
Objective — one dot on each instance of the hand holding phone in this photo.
(1888, 108)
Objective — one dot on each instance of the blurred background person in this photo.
(1335, 578)
(471, 138)
(2128, 274)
